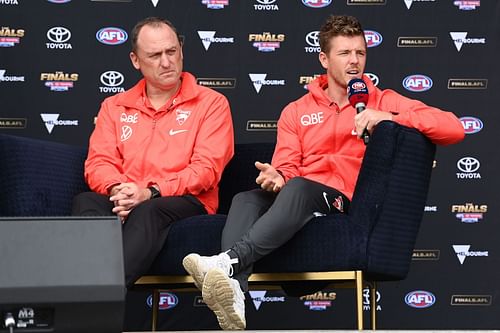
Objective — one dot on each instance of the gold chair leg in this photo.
(359, 298)
(155, 308)
(373, 305)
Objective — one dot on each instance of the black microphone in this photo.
(357, 93)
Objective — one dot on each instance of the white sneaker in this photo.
(197, 266)
(225, 298)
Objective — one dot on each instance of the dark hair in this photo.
(338, 25)
(154, 22)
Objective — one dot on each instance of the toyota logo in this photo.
(312, 38)
(468, 164)
(58, 34)
(374, 78)
(266, 2)
(112, 78)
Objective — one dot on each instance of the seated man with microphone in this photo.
(314, 167)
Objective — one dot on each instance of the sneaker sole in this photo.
(219, 297)
(190, 263)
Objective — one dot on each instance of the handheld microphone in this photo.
(357, 93)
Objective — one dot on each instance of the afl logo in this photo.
(373, 38)
(112, 36)
(316, 3)
(471, 124)
(417, 83)
(420, 299)
(166, 301)
(59, 1)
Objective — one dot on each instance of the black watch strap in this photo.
(154, 192)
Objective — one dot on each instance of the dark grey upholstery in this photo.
(40, 178)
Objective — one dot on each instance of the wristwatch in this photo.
(154, 192)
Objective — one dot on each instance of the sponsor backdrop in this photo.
(60, 58)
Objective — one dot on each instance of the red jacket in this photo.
(182, 148)
(317, 140)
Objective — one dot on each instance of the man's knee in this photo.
(298, 184)
(255, 197)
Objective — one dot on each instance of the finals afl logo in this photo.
(420, 299)
(316, 3)
(417, 83)
(112, 36)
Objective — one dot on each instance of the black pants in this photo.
(259, 222)
(145, 229)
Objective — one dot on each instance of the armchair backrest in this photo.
(390, 196)
(39, 177)
(240, 173)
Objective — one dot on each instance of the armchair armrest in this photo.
(390, 196)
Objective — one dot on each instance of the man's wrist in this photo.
(155, 193)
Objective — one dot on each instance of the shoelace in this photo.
(223, 264)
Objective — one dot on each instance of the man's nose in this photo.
(164, 60)
(353, 58)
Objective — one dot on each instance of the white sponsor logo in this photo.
(112, 78)
(408, 3)
(312, 39)
(259, 297)
(468, 165)
(126, 133)
(111, 81)
(52, 119)
(155, 2)
(58, 36)
(4, 78)
(311, 119)
(8, 2)
(259, 80)
(266, 5)
(174, 132)
(208, 37)
(374, 78)
(367, 300)
(460, 38)
(128, 118)
(463, 252)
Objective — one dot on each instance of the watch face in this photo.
(154, 192)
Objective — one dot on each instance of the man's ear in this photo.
(323, 59)
(135, 60)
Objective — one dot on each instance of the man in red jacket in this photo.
(158, 149)
(314, 168)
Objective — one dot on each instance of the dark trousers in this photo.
(259, 222)
(145, 229)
